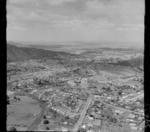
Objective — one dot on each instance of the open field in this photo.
(21, 113)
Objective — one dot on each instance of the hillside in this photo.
(15, 53)
(133, 62)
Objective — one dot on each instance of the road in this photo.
(122, 108)
(91, 97)
(119, 107)
(127, 97)
(37, 121)
(132, 99)
(82, 115)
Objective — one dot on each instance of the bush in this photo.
(81, 130)
(47, 128)
(45, 122)
(44, 117)
(8, 102)
(67, 117)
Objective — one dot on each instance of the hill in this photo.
(133, 62)
(15, 53)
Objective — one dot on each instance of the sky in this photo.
(75, 20)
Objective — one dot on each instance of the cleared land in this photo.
(21, 113)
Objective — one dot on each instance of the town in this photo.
(80, 98)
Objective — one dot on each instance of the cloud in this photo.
(122, 7)
(59, 2)
(24, 3)
(117, 12)
(128, 27)
(16, 27)
(78, 19)
(133, 25)
(19, 1)
(80, 23)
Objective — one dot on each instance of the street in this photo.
(82, 115)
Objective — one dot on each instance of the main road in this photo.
(82, 115)
(119, 108)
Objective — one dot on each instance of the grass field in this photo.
(21, 113)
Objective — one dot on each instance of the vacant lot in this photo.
(21, 113)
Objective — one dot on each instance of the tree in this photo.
(67, 117)
(12, 129)
(8, 102)
(44, 117)
(113, 120)
(81, 130)
(45, 122)
(120, 93)
(47, 128)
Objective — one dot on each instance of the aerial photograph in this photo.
(75, 65)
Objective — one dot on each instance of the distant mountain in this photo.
(15, 53)
(18, 44)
